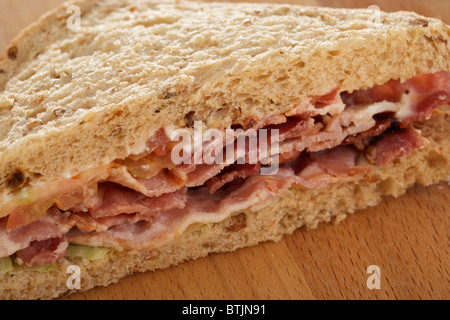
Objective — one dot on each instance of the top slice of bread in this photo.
(71, 98)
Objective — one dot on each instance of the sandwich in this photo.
(158, 131)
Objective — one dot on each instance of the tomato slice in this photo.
(27, 214)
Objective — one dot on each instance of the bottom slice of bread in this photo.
(298, 208)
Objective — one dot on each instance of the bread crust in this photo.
(298, 208)
(72, 100)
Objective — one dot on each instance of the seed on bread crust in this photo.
(16, 180)
(239, 222)
(13, 52)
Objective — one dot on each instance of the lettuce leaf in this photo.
(6, 265)
(86, 252)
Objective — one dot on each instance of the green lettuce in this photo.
(6, 265)
(86, 252)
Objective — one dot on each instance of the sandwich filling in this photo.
(146, 200)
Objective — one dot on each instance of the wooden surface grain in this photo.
(407, 238)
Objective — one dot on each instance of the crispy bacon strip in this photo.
(393, 145)
(42, 252)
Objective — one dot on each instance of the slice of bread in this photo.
(298, 208)
(72, 99)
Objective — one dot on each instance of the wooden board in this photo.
(408, 237)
